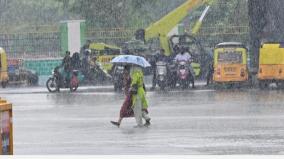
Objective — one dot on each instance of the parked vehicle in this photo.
(4, 78)
(61, 79)
(271, 65)
(230, 64)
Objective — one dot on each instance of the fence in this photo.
(210, 36)
(43, 67)
(31, 45)
(47, 44)
(112, 36)
(220, 31)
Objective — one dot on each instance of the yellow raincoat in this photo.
(137, 78)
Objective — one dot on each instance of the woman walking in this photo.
(127, 109)
(139, 102)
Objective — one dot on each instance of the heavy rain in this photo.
(141, 77)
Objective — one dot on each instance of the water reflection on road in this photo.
(190, 122)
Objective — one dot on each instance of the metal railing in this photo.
(31, 45)
(44, 41)
(229, 30)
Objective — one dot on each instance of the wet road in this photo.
(191, 122)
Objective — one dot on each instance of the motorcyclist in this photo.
(176, 51)
(85, 46)
(185, 56)
(159, 56)
(75, 61)
(66, 64)
(85, 62)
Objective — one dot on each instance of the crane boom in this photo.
(162, 27)
(169, 21)
(198, 24)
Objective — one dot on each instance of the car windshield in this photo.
(232, 57)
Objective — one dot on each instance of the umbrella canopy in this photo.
(131, 59)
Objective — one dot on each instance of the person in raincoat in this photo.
(66, 64)
(127, 109)
(139, 102)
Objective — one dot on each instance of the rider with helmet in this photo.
(66, 64)
(184, 55)
(85, 61)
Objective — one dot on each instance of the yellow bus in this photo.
(230, 63)
(271, 64)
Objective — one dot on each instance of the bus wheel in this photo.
(263, 85)
(4, 84)
(280, 85)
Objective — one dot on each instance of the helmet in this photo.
(94, 58)
(87, 52)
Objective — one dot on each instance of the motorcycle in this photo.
(161, 74)
(117, 77)
(184, 74)
(172, 74)
(61, 79)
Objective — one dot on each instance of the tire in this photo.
(280, 85)
(74, 88)
(4, 84)
(193, 84)
(184, 84)
(33, 80)
(74, 83)
(263, 85)
(117, 87)
(173, 84)
(162, 86)
(52, 85)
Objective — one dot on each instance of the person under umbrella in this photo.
(137, 95)
(126, 110)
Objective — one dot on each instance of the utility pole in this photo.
(257, 10)
(65, 9)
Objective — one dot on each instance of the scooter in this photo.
(161, 74)
(185, 75)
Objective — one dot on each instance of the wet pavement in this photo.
(183, 122)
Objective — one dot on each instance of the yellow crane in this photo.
(162, 27)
